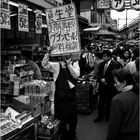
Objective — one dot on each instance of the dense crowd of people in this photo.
(115, 70)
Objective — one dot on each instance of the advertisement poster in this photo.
(38, 21)
(5, 14)
(63, 29)
(135, 4)
(23, 24)
(118, 5)
(103, 4)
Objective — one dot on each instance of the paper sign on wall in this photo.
(5, 14)
(23, 24)
(63, 29)
(38, 21)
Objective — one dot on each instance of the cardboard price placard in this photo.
(23, 24)
(63, 29)
(5, 14)
(38, 21)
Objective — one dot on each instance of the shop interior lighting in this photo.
(16, 4)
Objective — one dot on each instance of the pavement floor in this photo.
(88, 130)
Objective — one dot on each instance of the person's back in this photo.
(36, 69)
(28, 58)
(129, 103)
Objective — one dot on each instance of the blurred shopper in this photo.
(124, 115)
(131, 67)
(136, 74)
(65, 73)
(27, 55)
(106, 87)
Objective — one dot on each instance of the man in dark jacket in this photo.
(106, 86)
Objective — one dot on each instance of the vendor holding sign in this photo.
(63, 42)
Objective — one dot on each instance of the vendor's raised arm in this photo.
(50, 66)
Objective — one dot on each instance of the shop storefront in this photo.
(25, 102)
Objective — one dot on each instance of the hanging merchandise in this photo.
(23, 24)
(38, 21)
(5, 14)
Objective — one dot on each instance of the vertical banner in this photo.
(4, 14)
(63, 29)
(38, 21)
(23, 24)
(103, 4)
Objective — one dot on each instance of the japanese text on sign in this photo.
(63, 29)
(23, 24)
(4, 14)
(135, 4)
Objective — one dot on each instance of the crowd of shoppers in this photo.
(116, 72)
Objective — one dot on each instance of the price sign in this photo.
(5, 14)
(23, 24)
(63, 29)
(38, 21)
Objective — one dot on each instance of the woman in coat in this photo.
(124, 115)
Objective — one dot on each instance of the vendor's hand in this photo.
(103, 80)
(50, 49)
(68, 61)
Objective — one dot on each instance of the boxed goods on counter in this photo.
(38, 87)
(48, 128)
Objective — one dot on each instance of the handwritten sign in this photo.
(135, 4)
(38, 21)
(63, 29)
(118, 4)
(23, 24)
(5, 14)
(103, 4)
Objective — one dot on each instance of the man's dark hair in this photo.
(107, 52)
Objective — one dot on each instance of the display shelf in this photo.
(26, 132)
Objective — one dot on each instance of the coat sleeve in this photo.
(74, 69)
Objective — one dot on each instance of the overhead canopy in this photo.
(105, 32)
(41, 3)
(92, 29)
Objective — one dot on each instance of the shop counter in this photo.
(26, 132)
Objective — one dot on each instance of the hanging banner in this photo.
(5, 14)
(103, 4)
(63, 29)
(135, 4)
(23, 24)
(38, 21)
(118, 5)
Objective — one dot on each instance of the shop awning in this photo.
(41, 3)
(92, 29)
(105, 32)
